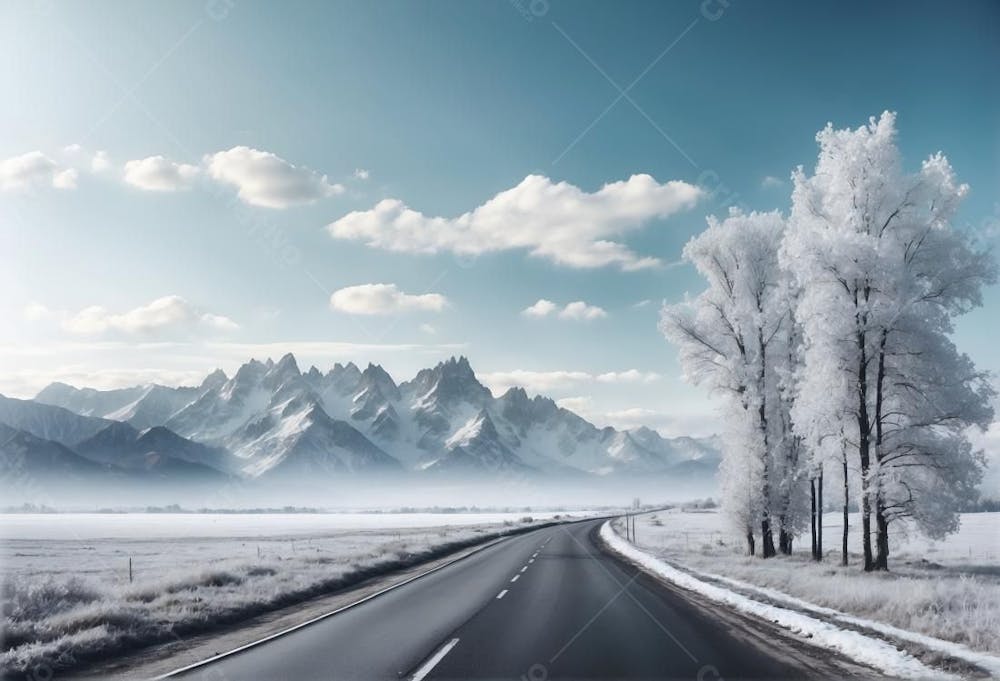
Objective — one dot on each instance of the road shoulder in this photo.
(154, 661)
(815, 661)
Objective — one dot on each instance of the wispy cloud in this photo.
(169, 313)
(667, 423)
(553, 381)
(27, 368)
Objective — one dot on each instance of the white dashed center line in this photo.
(524, 568)
(515, 578)
(427, 666)
(501, 594)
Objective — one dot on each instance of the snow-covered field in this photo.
(976, 544)
(67, 593)
(166, 525)
(948, 589)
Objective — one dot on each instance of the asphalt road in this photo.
(549, 604)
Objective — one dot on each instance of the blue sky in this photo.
(443, 105)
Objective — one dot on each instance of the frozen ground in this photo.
(949, 589)
(67, 593)
(167, 525)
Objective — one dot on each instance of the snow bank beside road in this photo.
(990, 663)
(870, 651)
(954, 596)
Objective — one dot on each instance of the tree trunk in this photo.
(843, 547)
(784, 540)
(812, 514)
(767, 538)
(881, 523)
(767, 535)
(819, 516)
(864, 453)
(751, 546)
(882, 540)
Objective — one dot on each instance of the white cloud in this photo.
(35, 312)
(577, 405)
(553, 381)
(166, 313)
(533, 381)
(641, 304)
(28, 383)
(34, 169)
(382, 299)
(629, 376)
(557, 221)
(772, 182)
(100, 162)
(264, 179)
(577, 311)
(429, 329)
(361, 174)
(65, 179)
(82, 160)
(540, 309)
(581, 311)
(159, 174)
(672, 424)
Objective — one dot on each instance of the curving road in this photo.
(549, 604)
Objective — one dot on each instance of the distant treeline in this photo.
(982, 506)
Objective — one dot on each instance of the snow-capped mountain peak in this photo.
(481, 426)
(272, 418)
(286, 369)
(214, 380)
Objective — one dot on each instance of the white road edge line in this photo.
(367, 598)
(501, 594)
(427, 666)
(515, 579)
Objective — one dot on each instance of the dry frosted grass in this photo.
(69, 601)
(953, 598)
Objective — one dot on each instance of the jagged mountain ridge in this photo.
(25, 457)
(274, 418)
(44, 439)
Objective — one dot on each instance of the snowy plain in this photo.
(946, 589)
(68, 593)
(33, 526)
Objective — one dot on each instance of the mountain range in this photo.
(270, 420)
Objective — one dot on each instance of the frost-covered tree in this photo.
(790, 456)
(734, 338)
(880, 275)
